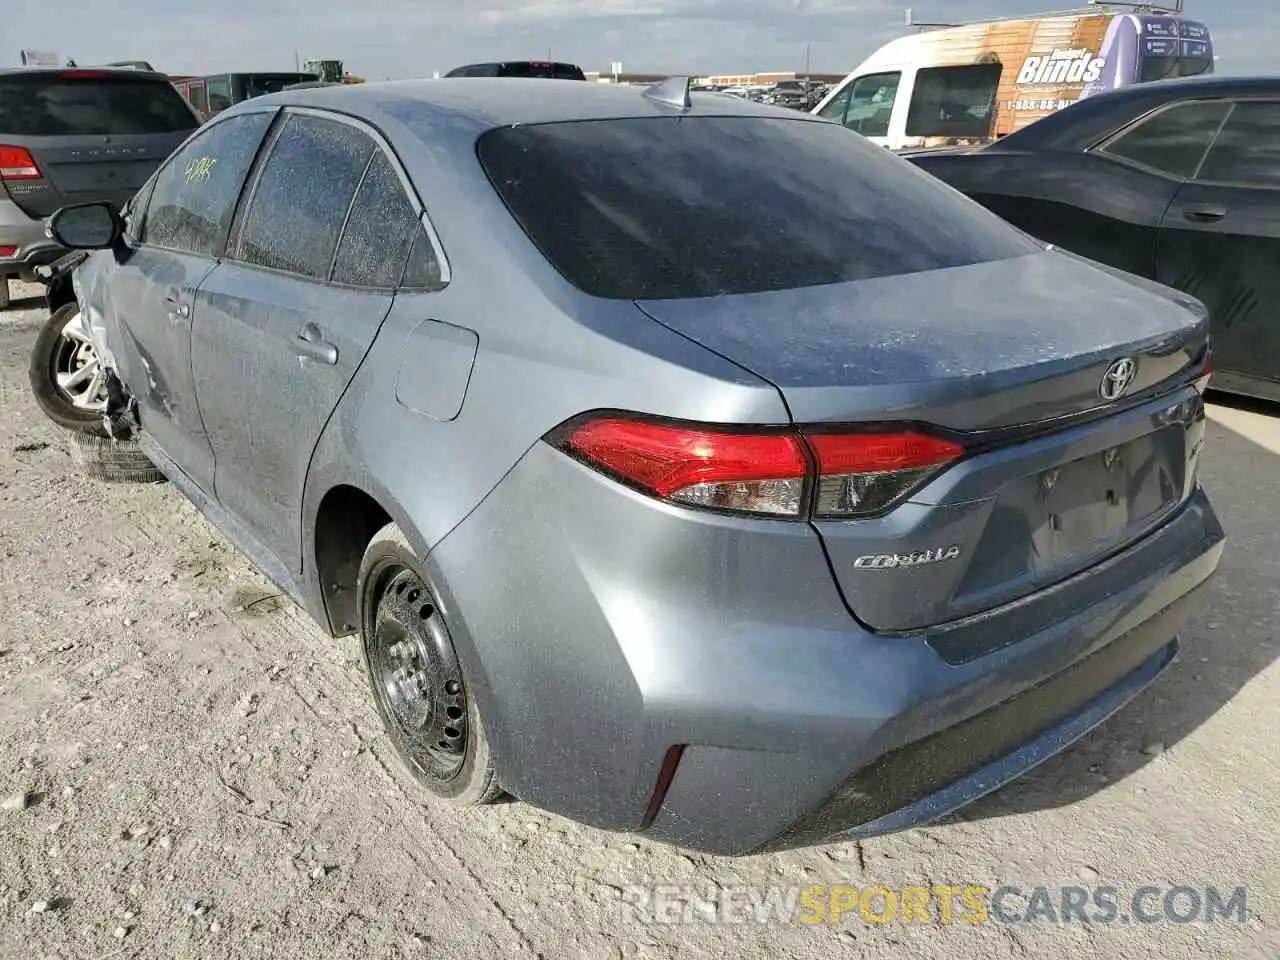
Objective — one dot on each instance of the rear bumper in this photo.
(28, 236)
(600, 637)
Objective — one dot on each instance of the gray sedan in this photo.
(686, 466)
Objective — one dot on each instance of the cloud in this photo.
(412, 38)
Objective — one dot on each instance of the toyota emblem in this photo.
(1118, 378)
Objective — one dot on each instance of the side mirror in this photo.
(86, 226)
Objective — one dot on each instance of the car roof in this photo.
(1083, 123)
(487, 102)
(1205, 84)
(113, 72)
(508, 63)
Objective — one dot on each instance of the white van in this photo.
(974, 83)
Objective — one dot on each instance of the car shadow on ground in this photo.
(23, 303)
(1231, 640)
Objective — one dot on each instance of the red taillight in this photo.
(82, 74)
(16, 163)
(7, 252)
(753, 473)
(774, 472)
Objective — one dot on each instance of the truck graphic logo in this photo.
(1061, 66)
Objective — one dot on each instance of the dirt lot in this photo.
(208, 778)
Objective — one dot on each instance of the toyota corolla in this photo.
(686, 466)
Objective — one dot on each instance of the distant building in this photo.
(598, 76)
(719, 80)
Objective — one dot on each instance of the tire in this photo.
(415, 677)
(112, 461)
(66, 378)
(4, 293)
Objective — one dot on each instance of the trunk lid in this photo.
(94, 135)
(1010, 354)
(973, 348)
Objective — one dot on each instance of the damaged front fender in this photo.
(121, 414)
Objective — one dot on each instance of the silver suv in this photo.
(74, 136)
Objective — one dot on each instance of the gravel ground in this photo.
(205, 775)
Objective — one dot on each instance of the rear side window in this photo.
(702, 206)
(1247, 151)
(954, 101)
(423, 271)
(302, 196)
(1172, 141)
(194, 196)
(379, 230)
(58, 105)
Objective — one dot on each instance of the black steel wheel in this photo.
(416, 677)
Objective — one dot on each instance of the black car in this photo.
(1177, 181)
(521, 68)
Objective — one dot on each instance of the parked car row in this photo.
(69, 135)
(736, 509)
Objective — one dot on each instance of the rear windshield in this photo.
(1166, 68)
(262, 84)
(45, 105)
(678, 207)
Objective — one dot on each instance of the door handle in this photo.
(1204, 214)
(311, 345)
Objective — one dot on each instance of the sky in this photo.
(394, 39)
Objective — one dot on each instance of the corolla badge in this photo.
(1118, 378)
(891, 561)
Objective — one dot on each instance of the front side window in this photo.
(835, 107)
(1172, 141)
(1247, 151)
(703, 206)
(954, 102)
(871, 104)
(302, 195)
(194, 197)
(379, 230)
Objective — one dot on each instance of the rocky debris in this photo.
(121, 932)
(41, 906)
(1153, 748)
(196, 907)
(19, 801)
